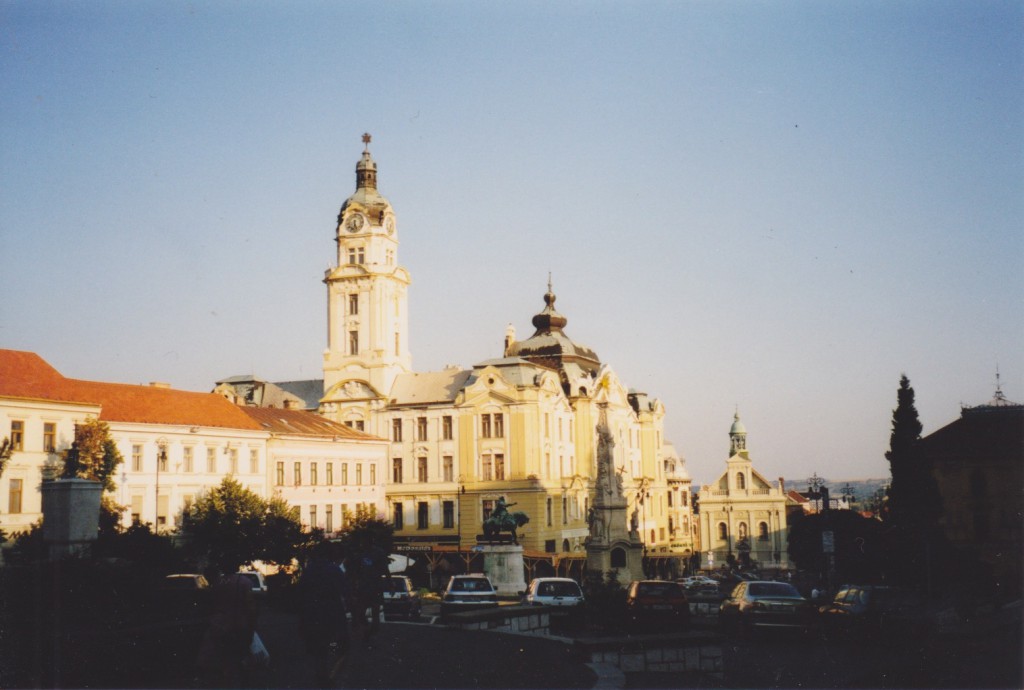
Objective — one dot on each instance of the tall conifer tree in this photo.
(903, 467)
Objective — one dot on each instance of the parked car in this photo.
(259, 584)
(699, 585)
(656, 601)
(553, 591)
(765, 604)
(873, 611)
(468, 593)
(188, 582)
(401, 598)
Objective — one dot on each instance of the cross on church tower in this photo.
(366, 141)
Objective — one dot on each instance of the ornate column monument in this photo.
(614, 545)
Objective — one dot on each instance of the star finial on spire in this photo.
(366, 141)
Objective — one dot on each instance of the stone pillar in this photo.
(503, 566)
(71, 514)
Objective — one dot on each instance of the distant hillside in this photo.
(862, 488)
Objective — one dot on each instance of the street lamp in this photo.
(161, 458)
(458, 496)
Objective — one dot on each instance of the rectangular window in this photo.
(233, 454)
(49, 437)
(565, 510)
(487, 507)
(312, 516)
(297, 474)
(211, 460)
(397, 516)
(548, 511)
(353, 342)
(187, 458)
(549, 546)
(449, 468)
(396, 470)
(344, 515)
(14, 496)
(396, 430)
(279, 477)
(485, 425)
(499, 425)
(313, 474)
(330, 474)
(446, 427)
(448, 513)
(421, 428)
(329, 518)
(254, 462)
(486, 469)
(422, 515)
(344, 474)
(421, 470)
(162, 505)
(136, 458)
(670, 499)
(136, 509)
(356, 255)
(17, 434)
(499, 467)
(353, 304)
(373, 475)
(359, 425)
(359, 474)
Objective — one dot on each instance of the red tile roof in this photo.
(27, 375)
(281, 421)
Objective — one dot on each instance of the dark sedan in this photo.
(764, 604)
(656, 601)
(875, 612)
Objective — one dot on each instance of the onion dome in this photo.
(549, 345)
(737, 425)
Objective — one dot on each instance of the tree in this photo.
(93, 455)
(6, 451)
(230, 526)
(914, 505)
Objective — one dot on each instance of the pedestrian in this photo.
(225, 646)
(323, 624)
(366, 567)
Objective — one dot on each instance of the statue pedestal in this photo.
(71, 515)
(503, 566)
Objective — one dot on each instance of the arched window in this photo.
(618, 558)
(762, 531)
(723, 531)
(741, 481)
(565, 545)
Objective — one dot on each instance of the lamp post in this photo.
(458, 498)
(161, 458)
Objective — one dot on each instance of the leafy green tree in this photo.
(230, 526)
(367, 530)
(93, 454)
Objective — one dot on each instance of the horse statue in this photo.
(501, 520)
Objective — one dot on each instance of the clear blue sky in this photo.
(779, 206)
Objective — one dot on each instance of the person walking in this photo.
(323, 589)
(225, 645)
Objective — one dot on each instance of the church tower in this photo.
(367, 303)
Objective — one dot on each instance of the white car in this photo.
(468, 593)
(553, 591)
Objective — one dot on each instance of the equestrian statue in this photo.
(501, 520)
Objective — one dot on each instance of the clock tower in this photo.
(367, 304)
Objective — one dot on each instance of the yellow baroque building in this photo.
(521, 426)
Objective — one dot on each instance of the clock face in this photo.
(355, 223)
(390, 225)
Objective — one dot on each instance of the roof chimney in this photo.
(290, 404)
(782, 485)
